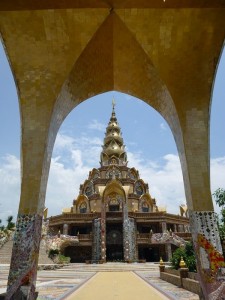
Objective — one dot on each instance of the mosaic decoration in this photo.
(167, 237)
(129, 236)
(208, 251)
(96, 245)
(56, 242)
(132, 239)
(125, 232)
(103, 234)
(23, 269)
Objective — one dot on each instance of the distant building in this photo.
(114, 215)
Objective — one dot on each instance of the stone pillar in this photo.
(103, 232)
(164, 228)
(137, 250)
(168, 252)
(22, 277)
(208, 252)
(36, 154)
(96, 239)
(179, 228)
(65, 229)
(132, 239)
(175, 227)
(126, 233)
(129, 236)
(183, 274)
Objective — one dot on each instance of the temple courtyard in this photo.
(115, 281)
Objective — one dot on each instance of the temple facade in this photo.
(114, 216)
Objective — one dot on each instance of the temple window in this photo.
(114, 205)
(132, 175)
(114, 172)
(139, 190)
(96, 175)
(88, 190)
(145, 207)
(83, 208)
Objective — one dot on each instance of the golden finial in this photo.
(113, 103)
(161, 262)
(182, 263)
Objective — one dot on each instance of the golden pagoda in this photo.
(114, 216)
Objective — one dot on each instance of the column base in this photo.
(25, 293)
(208, 251)
(24, 261)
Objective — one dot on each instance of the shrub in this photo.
(63, 259)
(188, 255)
(175, 260)
(53, 252)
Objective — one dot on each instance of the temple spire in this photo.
(113, 149)
(113, 104)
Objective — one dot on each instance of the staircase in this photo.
(43, 256)
(113, 267)
(6, 253)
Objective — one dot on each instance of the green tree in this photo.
(10, 224)
(2, 227)
(219, 196)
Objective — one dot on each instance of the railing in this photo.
(143, 238)
(114, 214)
(153, 215)
(161, 238)
(184, 235)
(143, 235)
(71, 216)
(82, 237)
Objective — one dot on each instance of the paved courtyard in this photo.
(109, 281)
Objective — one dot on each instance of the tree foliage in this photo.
(219, 196)
(10, 224)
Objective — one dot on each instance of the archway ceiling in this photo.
(182, 43)
(59, 4)
(165, 53)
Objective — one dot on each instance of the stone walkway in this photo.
(119, 286)
(116, 280)
(172, 291)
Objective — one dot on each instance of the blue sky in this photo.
(149, 143)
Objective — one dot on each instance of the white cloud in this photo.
(70, 168)
(217, 173)
(165, 181)
(163, 127)
(64, 141)
(96, 125)
(9, 186)
(217, 176)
